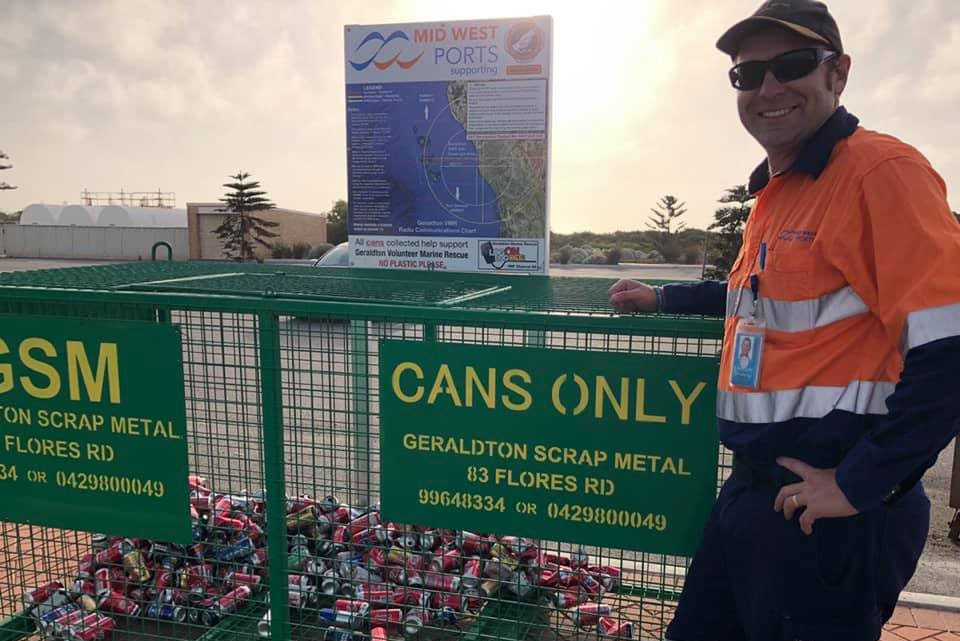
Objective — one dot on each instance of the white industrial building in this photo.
(87, 231)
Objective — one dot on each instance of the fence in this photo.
(284, 395)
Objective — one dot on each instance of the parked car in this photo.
(339, 256)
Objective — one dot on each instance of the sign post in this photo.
(93, 427)
(613, 450)
(448, 145)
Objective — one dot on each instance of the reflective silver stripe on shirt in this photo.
(928, 325)
(859, 397)
(798, 316)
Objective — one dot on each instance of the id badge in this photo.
(747, 354)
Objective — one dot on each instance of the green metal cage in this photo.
(281, 385)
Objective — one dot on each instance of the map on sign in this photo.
(448, 144)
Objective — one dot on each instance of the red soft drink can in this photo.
(340, 534)
(471, 573)
(386, 616)
(351, 605)
(94, 630)
(566, 599)
(87, 564)
(101, 581)
(451, 601)
(616, 629)
(377, 557)
(59, 625)
(84, 586)
(609, 576)
(553, 557)
(119, 604)
(447, 561)
(118, 580)
(472, 599)
(589, 613)
(111, 555)
(365, 522)
(197, 578)
(378, 633)
(41, 594)
(588, 582)
(341, 514)
(235, 579)
(232, 599)
(470, 543)
(407, 596)
(373, 592)
(443, 582)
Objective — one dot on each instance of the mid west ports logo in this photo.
(524, 41)
(384, 52)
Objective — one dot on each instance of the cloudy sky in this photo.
(176, 95)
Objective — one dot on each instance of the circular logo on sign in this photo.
(524, 41)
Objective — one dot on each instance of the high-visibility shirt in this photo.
(860, 295)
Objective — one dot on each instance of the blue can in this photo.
(166, 612)
(239, 550)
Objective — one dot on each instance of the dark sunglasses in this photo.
(788, 66)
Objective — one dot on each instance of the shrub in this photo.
(579, 255)
(320, 250)
(612, 256)
(566, 253)
(300, 250)
(280, 250)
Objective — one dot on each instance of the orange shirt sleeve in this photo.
(899, 248)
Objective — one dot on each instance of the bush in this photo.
(320, 250)
(566, 253)
(579, 255)
(691, 256)
(597, 258)
(280, 250)
(300, 250)
(612, 256)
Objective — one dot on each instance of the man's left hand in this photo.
(818, 493)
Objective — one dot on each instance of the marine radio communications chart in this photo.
(483, 156)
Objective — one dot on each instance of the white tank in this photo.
(39, 214)
(77, 215)
(120, 216)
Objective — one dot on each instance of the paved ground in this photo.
(921, 624)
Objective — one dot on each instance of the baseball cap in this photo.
(808, 18)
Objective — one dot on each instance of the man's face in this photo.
(745, 347)
(782, 116)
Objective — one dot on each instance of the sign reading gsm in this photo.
(39, 369)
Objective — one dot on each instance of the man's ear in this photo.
(840, 71)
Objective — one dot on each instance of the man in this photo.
(848, 284)
(744, 357)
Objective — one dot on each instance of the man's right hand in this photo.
(630, 296)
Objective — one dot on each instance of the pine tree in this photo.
(337, 222)
(5, 165)
(240, 226)
(729, 220)
(668, 210)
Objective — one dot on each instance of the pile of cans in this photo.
(387, 578)
(349, 574)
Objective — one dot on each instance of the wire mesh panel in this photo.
(282, 384)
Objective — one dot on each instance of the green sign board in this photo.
(604, 449)
(93, 426)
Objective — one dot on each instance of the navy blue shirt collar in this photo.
(816, 152)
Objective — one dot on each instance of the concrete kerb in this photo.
(929, 601)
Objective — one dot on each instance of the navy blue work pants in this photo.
(758, 577)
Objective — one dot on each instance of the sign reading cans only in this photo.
(448, 143)
(615, 450)
(92, 426)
